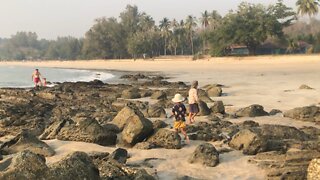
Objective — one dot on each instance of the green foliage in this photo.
(250, 25)
(308, 7)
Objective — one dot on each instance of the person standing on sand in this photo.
(193, 101)
(179, 112)
(36, 78)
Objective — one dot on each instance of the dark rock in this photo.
(159, 95)
(266, 138)
(120, 155)
(214, 118)
(26, 141)
(157, 124)
(166, 139)
(250, 124)
(252, 111)
(290, 165)
(205, 154)
(304, 86)
(307, 113)
(144, 145)
(274, 112)
(203, 96)
(77, 165)
(24, 165)
(249, 141)
(112, 169)
(81, 128)
(186, 178)
(213, 90)
(204, 109)
(218, 107)
(132, 93)
(156, 111)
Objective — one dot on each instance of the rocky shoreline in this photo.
(133, 114)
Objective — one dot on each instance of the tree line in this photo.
(135, 34)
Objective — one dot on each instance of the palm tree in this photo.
(175, 36)
(205, 19)
(309, 7)
(215, 19)
(164, 26)
(190, 24)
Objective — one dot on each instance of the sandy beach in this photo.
(271, 81)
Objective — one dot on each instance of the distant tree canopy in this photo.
(135, 34)
(251, 25)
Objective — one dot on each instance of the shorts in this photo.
(36, 80)
(179, 125)
(193, 108)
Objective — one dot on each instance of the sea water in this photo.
(18, 76)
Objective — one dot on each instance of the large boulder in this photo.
(157, 124)
(166, 138)
(136, 130)
(214, 91)
(314, 170)
(307, 113)
(24, 165)
(218, 107)
(132, 93)
(77, 165)
(292, 164)
(204, 109)
(252, 111)
(249, 141)
(205, 154)
(28, 165)
(26, 141)
(128, 113)
(80, 128)
(252, 140)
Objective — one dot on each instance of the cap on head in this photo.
(194, 84)
(178, 98)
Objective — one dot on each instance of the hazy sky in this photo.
(52, 18)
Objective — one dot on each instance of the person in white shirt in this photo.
(193, 101)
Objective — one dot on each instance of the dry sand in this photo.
(272, 81)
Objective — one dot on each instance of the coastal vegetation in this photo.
(251, 29)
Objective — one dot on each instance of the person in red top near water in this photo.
(44, 83)
(36, 78)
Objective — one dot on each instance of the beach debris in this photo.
(205, 154)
